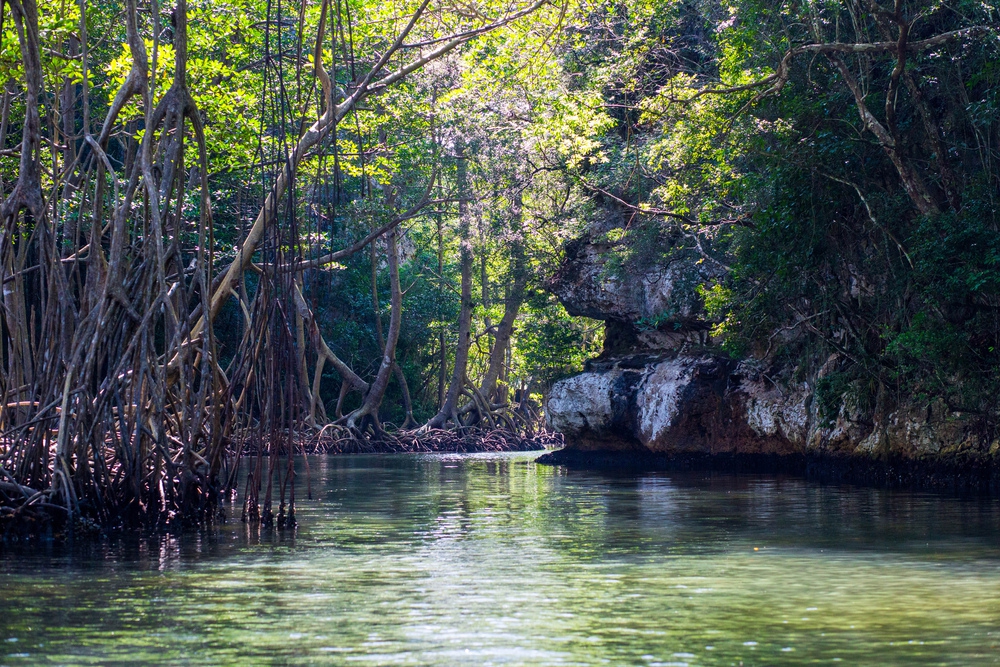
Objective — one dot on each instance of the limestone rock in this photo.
(581, 404)
(666, 389)
(587, 286)
(672, 402)
(772, 412)
(704, 403)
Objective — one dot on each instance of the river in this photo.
(494, 560)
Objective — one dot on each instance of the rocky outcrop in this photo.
(588, 286)
(702, 402)
(665, 402)
(669, 391)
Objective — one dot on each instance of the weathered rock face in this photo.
(705, 403)
(668, 390)
(666, 402)
(588, 288)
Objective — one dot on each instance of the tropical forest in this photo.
(520, 332)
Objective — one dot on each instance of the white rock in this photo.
(581, 403)
(659, 397)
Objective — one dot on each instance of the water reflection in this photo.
(489, 559)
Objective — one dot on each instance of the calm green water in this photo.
(490, 559)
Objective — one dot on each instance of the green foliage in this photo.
(825, 247)
(604, 119)
(838, 254)
(551, 344)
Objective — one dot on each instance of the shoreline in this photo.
(464, 441)
(971, 477)
(21, 520)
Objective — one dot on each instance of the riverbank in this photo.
(674, 389)
(26, 512)
(698, 409)
(465, 440)
(979, 476)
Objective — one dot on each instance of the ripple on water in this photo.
(489, 559)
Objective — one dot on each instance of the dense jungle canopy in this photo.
(226, 224)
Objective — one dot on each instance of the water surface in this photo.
(490, 560)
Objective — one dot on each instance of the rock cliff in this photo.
(589, 287)
(669, 390)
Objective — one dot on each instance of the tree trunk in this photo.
(27, 192)
(397, 372)
(450, 408)
(4, 117)
(374, 397)
(442, 352)
(511, 306)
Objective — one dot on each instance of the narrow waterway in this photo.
(491, 559)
